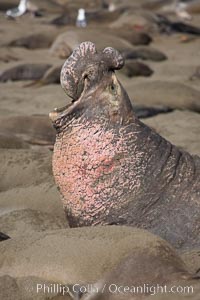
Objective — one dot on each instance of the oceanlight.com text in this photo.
(114, 289)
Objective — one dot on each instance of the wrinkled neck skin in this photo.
(112, 169)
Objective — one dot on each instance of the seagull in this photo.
(180, 7)
(181, 11)
(18, 11)
(81, 19)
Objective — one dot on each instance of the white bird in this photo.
(111, 7)
(18, 11)
(81, 19)
(179, 7)
(181, 11)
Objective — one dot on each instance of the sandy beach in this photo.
(162, 78)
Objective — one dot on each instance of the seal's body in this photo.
(111, 168)
(144, 272)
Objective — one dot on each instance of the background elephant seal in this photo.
(111, 168)
(40, 40)
(24, 72)
(52, 75)
(141, 273)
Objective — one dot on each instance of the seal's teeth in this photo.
(53, 115)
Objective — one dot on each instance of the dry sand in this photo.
(41, 249)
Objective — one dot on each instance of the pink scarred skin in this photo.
(109, 167)
(96, 163)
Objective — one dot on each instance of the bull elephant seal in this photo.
(111, 168)
(150, 270)
(27, 71)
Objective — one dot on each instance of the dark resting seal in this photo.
(111, 168)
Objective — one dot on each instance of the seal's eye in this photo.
(112, 88)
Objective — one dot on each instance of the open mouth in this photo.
(58, 113)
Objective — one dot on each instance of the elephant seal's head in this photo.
(88, 77)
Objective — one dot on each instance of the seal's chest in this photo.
(86, 163)
(92, 166)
